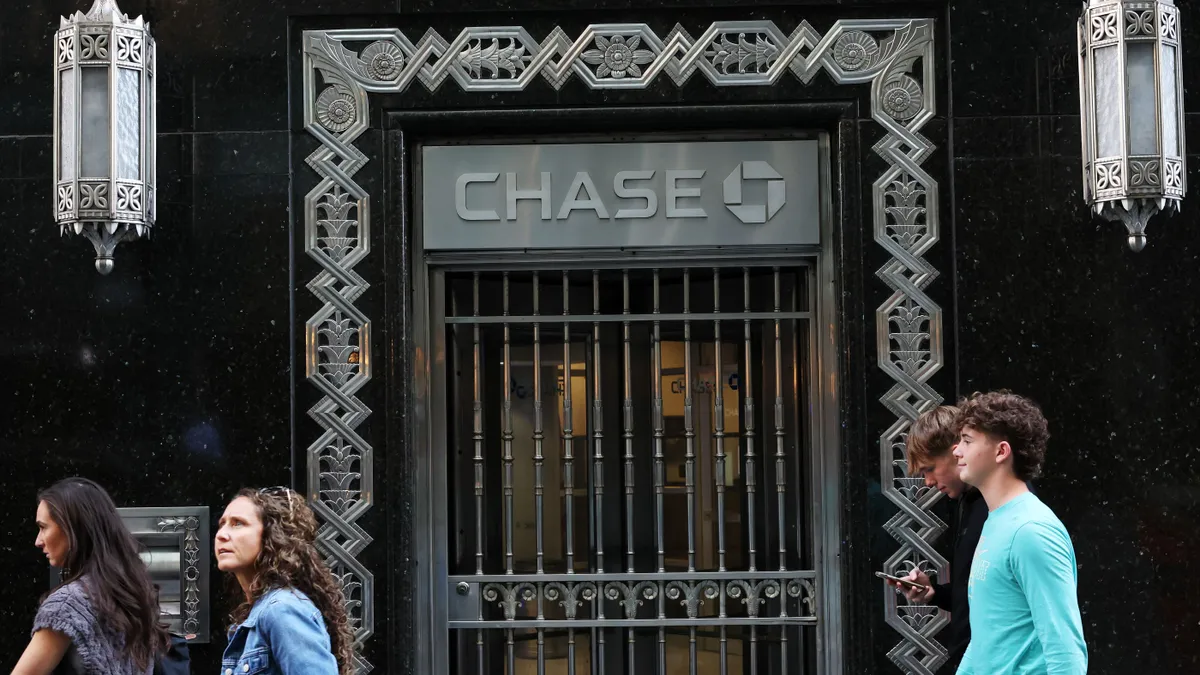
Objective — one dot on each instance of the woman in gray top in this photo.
(104, 618)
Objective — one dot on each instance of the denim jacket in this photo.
(283, 635)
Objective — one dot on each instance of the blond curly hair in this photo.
(289, 559)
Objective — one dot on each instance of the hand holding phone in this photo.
(907, 583)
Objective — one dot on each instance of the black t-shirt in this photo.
(972, 513)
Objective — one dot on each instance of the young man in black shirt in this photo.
(930, 445)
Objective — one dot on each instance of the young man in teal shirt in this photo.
(1024, 604)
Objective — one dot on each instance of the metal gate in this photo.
(631, 468)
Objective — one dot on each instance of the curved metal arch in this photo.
(894, 55)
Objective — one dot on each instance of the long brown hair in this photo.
(117, 583)
(289, 559)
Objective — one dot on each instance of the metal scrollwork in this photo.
(692, 595)
(383, 60)
(510, 596)
(570, 596)
(855, 50)
(631, 596)
(335, 110)
(894, 56)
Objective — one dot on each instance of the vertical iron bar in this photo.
(512, 654)
(479, 646)
(690, 457)
(597, 430)
(753, 650)
(747, 386)
(693, 657)
(689, 430)
(568, 433)
(659, 464)
(507, 437)
(780, 458)
(477, 429)
(751, 476)
(662, 633)
(539, 466)
(719, 454)
(783, 639)
(598, 646)
(541, 647)
(570, 640)
(477, 439)
(627, 413)
(719, 420)
(659, 468)
(539, 459)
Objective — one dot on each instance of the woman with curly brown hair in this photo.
(292, 619)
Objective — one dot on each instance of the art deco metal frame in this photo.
(893, 56)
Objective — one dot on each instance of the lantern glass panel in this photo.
(1108, 102)
(129, 127)
(95, 137)
(1141, 98)
(151, 127)
(1170, 103)
(67, 120)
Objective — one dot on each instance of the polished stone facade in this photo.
(171, 381)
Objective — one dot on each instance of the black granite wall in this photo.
(171, 381)
(1053, 303)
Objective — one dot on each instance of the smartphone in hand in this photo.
(902, 581)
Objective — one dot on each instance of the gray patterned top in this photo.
(94, 650)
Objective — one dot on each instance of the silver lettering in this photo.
(574, 203)
(541, 194)
(675, 192)
(625, 192)
(460, 196)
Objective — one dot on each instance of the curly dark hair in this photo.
(103, 555)
(1006, 416)
(289, 559)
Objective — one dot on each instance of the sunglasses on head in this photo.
(281, 491)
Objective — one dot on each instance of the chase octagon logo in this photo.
(755, 214)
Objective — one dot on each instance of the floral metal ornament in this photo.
(617, 58)
(104, 129)
(893, 56)
(1131, 100)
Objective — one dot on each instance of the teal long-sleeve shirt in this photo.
(1023, 594)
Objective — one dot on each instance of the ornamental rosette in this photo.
(336, 110)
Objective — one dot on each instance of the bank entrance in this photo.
(631, 459)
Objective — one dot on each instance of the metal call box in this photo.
(177, 547)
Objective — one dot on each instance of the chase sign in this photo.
(620, 195)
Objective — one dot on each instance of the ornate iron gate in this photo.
(629, 458)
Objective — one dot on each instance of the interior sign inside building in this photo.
(621, 195)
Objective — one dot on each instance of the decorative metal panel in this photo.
(894, 56)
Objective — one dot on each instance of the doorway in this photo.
(631, 461)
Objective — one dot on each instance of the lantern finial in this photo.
(104, 10)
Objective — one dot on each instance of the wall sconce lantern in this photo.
(1131, 100)
(104, 129)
